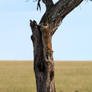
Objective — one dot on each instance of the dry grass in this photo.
(69, 76)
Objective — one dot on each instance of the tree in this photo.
(42, 41)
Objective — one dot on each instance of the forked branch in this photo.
(56, 14)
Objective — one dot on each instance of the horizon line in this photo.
(53, 60)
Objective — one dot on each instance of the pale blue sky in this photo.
(72, 41)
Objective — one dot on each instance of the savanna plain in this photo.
(70, 76)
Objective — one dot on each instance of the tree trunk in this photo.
(42, 41)
(43, 59)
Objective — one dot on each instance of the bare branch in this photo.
(67, 6)
(48, 3)
(56, 14)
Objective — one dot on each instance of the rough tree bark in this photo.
(42, 37)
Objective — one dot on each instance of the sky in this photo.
(72, 40)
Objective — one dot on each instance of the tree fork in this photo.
(43, 57)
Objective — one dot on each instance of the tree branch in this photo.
(66, 6)
(56, 14)
(48, 4)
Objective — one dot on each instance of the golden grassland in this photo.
(18, 76)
